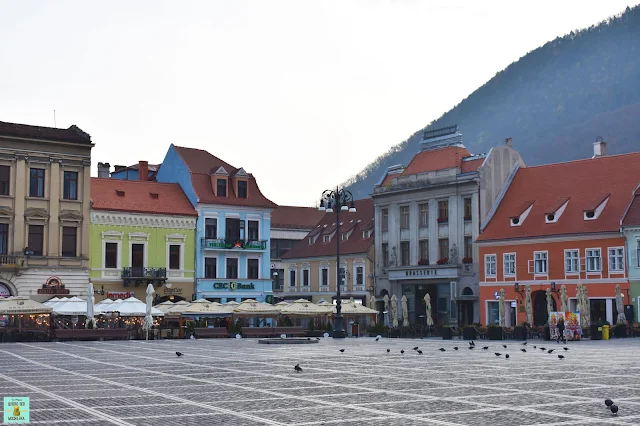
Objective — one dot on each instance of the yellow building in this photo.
(310, 267)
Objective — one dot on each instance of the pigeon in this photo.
(388, 350)
(441, 349)
(341, 350)
(504, 346)
(377, 338)
(566, 349)
(317, 338)
(550, 350)
(497, 353)
(608, 402)
(523, 350)
(543, 349)
(402, 351)
(419, 351)
(308, 338)
(561, 356)
(614, 409)
(525, 343)
(297, 368)
(455, 348)
(485, 348)
(535, 347)
(507, 356)
(472, 347)
(179, 353)
(415, 349)
(472, 343)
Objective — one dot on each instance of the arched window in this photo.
(467, 291)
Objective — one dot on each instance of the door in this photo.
(540, 313)
(137, 260)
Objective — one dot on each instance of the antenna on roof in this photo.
(54, 119)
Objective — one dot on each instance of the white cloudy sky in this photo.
(302, 94)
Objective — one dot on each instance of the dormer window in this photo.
(594, 212)
(120, 192)
(556, 211)
(326, 238)
(221, 188)
(518, 220)
(366, 234)
(242, 189)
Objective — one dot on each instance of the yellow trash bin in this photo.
(605, 332)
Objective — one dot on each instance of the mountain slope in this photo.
(553, 102)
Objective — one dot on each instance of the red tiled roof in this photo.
(437, 159)
(201, 163)
(290, 217)
(471, 165)
(72, 134)
(354, 244)
(137, 197)
(584, 182)
(632, 216)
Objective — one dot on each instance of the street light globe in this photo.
(344, 208)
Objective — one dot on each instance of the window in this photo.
(232, 228)
(468, 248)
(69, 241)
(638, 253)
(137, 255)
(509, 260)
(232, 267)
(616, 259)
(111, 255)
(443, 211)
(540, 262)
(404, 253)
(443, 247)
(292, 278)
(210, 267)
(424, 214)
(490, 265)
(174, 256)
(36, 239)
(211, 228)
(359, 275)
(594, 260)
(36, 183)
(468, 213)
(305, 277)
(325, 277)
(70, 190)
(253, 269)
(404, 217)
(572, 261)
(280, 247)
(385, 219)
(221, 188)
(252, 230)
(326, 238)
(424, 249)
(4, 238)
(385, 254)
(5, 172)
(242, 189)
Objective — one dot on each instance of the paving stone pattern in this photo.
(237, 382)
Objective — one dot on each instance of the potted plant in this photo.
(446, 331)
(423, 262)
(443, 261)
(520, 331)
(494, 332)
(469, 333)
(443, 220)
(467, 260)
(620, 330)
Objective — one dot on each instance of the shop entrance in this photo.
(540, 313)
(420, 308)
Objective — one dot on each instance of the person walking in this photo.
(560, 327)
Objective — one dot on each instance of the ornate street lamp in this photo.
(338, 200)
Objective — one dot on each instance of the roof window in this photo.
(554, 214)
(518, 220)
(120, 192)
(594, 213)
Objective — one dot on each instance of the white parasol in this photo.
(427, 302)
(585, 316)
(405, 312)
(91, 301)
(528, 305)
(549, 301)
(622, 319)
(148, 319)
(394, 310)
(564, 299)
(501, 307)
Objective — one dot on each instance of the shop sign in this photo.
(232, 285)
(113, 295)
(172, 290)
(16, 409)
(53, 286)
(421, 273)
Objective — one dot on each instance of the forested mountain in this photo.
(553, 102)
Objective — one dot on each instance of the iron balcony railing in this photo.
(137, 272)
(232, 244)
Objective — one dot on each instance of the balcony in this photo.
(232, 244)
(10, 262)
(140, 275)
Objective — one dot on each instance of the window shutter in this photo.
(634, 258)
(531, 267)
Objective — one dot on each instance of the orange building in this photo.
(558, 225)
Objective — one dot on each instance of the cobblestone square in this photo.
(240, 382)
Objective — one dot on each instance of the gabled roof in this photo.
(585, 183)
(353, 245)
(437, 159)
(290, 217)
(139, 197)
(632, 215)
(201, 164)
(471, 164)
(72, 134)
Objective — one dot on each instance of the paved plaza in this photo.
(240, 382)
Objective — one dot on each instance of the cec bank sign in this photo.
(232, 285)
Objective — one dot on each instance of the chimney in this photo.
(103, 170)
(508, 142)
(143, 170)
(599, 148)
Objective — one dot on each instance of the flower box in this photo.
(443, 220)
(469, 333)
(467, 260)
(423, 262)
(495, 333)
(443, 261)
(447, 333)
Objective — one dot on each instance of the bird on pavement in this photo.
(455, 348)
(566, 349)
(614, 409)
(419, 351)
(504, 346)
(388, 350)
(472, 347)
(535, 347)
(377, 338)
(472, 343)
(341, 350)
(497, 353)
(543, 349)
(507, 356)
(297, 368)
(550, 351)
(525, 343)
(523, 350)
(415, 349)
(561, 356)
(402, 351)
(317, 338)
(441, 349)
(608, 402)
(485, 348)
(179, 353)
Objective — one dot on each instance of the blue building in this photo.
(233, 226)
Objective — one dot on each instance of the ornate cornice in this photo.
(145, 220)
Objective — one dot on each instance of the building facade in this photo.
(631, 230)
(428, 216)
(233, 228)
(142, 232)
(44, 211)
(288, 226)
(310, 266)
(558, 225)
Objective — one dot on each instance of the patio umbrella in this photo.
(130, 307)
(620, 305)
(91, 300)
(579, 298)
(18, 305)
(148, 319)
(585, 317)
(405, 312)
(385, 299)
(305, 308)
(501, 306)
(51, 301)
(372, 305)
(72, 306)
(427, 302)
(549, 301)
(165, 306)
(528, 305)
(254, 308)
(394, 310)
(205, 308)
(564, 299)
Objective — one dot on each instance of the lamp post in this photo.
(338, 200)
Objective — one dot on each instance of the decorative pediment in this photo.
(112, 235)
(6, 211)
(70, 215)
(176, 237)
(139, 236)
(220, 171)
(241, 172)
(35, 213)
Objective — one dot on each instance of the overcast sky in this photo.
(303, 94)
